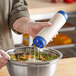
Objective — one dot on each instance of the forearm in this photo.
(19, 24)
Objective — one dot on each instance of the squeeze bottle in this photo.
(47, 33)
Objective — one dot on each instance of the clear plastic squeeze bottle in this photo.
(47, 33)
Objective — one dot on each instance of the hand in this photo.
(25, 25)
(33, 27)
(3, 58)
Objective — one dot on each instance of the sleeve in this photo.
(19, 9)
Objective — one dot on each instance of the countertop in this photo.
(66, 67)
(45, 6)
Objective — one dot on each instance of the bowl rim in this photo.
(23, 63)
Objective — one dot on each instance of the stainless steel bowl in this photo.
(44, 68)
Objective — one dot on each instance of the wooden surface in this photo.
(66, 67)
(44, 7)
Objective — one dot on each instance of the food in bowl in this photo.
(25, 68)
(32, 56)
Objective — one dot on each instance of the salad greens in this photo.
(25, 56)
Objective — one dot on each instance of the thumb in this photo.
(44, 24)
(4, 54)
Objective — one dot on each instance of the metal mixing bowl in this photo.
(44, 68)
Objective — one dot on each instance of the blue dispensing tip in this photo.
(39, 42)
(64, 14)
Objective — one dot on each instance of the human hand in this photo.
(34, 28)
(3, 58)
(25, 25)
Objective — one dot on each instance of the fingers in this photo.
(55, 35)
(3, 61)
(38, 26)
(4, 54)
(51, 40)
(3, 58)
(44, 24)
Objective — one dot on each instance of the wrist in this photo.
(20, 24)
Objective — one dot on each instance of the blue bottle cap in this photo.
(39, 42)
(64, 14)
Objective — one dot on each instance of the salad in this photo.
(33, 56)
